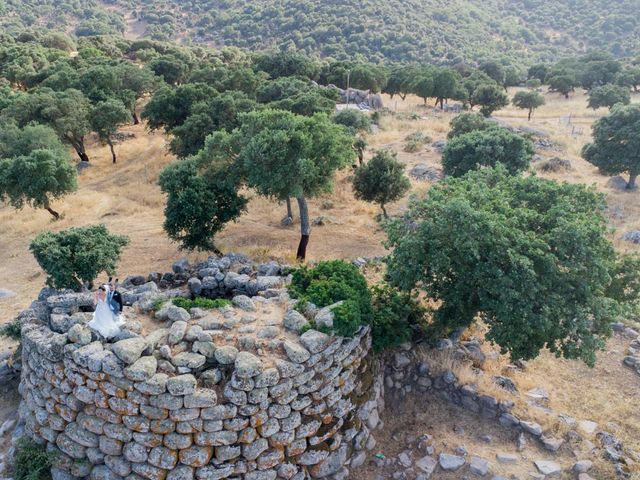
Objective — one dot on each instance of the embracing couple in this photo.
(107, 318)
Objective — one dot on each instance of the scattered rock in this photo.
(425, 173)
(507, 458)
(633, 236)
(548, 467)
(450, 462)
(587, 426)
(479, 466)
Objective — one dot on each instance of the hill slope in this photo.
(399, 30)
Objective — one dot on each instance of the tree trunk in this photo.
(305, 228)
(631, 185)
(113, 152)
(289, 209)
(136, 120)
(530, 112)
(384, 211)
(437, 101)
(55, 214)
(78, 145)
(403, 96)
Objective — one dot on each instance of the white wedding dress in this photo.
(104, 321)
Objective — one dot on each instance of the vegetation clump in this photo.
(74, 257)
(415, 141)
(529, 257)
(331, 282)
(397, 317)
(200, 302)
(32, 461)
(486, 148)
(381, 180)
(616, 144)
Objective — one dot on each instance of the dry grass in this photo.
(127, 199)
(451, 427)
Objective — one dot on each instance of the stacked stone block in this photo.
(181, 404)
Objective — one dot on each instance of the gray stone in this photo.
(244, 302)
(188, 359)
(426, 465)
(582, 466)
(182, 385)
(450, 462)
(325, 316)
(130, 349)
(532, 428)
(548, 467)
(247, 365)
(142, 369)
(296, 352)
(226, 355)
(268, 332)
(552, 444)
(295, 321)
(315, 341)
(195, 285)
(208, 349)
(79, 334)
(177, 332)
(507, 458)
(479, 466)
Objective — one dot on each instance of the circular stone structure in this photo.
(228, 393)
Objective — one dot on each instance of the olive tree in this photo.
(106, 117)
(616, 144)
(381, 180)
(490, 97)
(202, 197)
(35, 168)
(73, 258)
(283, 155)
(484, 148)
(608, 95)
(527, 256)
(528, 100)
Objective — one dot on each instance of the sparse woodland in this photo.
(156, 146)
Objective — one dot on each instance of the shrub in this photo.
(354, 120)
(331, 282)
(487, 148)
(468, 122)
(381, 180)
(396, 316)
(415, 142)
(12, 329)
(32, 461)
(200, 302)
(77, 255)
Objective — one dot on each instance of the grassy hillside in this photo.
(411, 30)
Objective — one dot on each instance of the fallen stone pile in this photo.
(202, 396)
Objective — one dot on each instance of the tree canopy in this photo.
(381, 180)
(74, 257)
(488, 147)
(527, 256)
(35, 168)
(616, 144)
(528, 100)
(608, 95)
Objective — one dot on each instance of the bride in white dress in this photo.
(105, 321)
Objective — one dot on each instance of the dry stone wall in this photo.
(197, 398)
